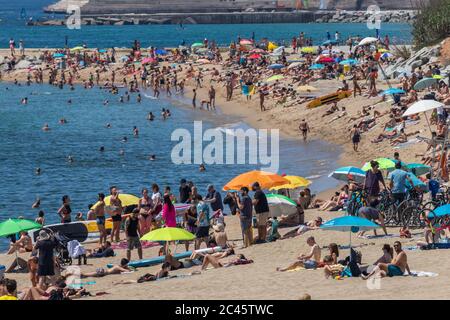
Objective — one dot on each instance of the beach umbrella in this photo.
(419, 168)
(161, 52)
(326, 60)
(58, 55)
(422, 106)
(280, 205)
(393, 91)
(383, 50)
(348, 173)
(417, 183)
(148, 60)
(387, 55)
(308, 50)
(438, 77)
(254, 56)
(265, 179)
(328, 42)
(258, 50)
(385, 164)
(348, 62)
(439, 212)
(294, 182)
(271, 46)
(316, 67)
(367, 41)
(13, 226)
(168, 234)
(295, 65)
(275, 66)
(351, 224)
(79, 48)
(306, 88)
(425, 83)
(275, 78)
(127, 199)
(197, 45)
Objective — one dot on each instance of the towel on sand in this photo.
(423, 274)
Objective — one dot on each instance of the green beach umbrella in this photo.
(197, 44)
(13, 226)
(168, 234)
(385, 164)
(280, 205)
(275, 78)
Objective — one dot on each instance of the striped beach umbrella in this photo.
(348, 173)
(280, 205)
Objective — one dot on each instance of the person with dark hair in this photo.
(373, 214)
(262, 211)
(65, 210)
(145, 208)
(245, 216)
(185, 191)
(372, 181)
(203, 223)
(100, 272)
(8, 289)
(46, 266)
(115, 210)
(132, 234)
(99, 213)
(40, 219)
(398, 179)
(169, 212)
(396, 267)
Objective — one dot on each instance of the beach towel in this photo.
(422, 274)
(382, 236)
(406, 144)
(81, 284)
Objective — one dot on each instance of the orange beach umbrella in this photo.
(265, 179)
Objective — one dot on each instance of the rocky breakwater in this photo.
(343, 16)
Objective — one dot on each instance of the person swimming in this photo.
(38, 171)
(102, 149)
(135, 131)
(24, 100)
(124, 139)
(150, 116)
(122, 152)
(108, 125)
(70, 159)
(152, 157)
(46, 127)
(202, 167)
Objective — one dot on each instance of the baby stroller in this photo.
(62, 253)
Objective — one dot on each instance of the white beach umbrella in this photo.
(422, 106)
(367, 41)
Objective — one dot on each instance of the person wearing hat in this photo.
(245, 206)
(45, 245)
(220, 236)
(262, 211)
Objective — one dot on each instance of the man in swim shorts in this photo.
(397, 266)
(307, 261)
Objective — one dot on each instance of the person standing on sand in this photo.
(355, 135)
(212, 97)
(304, 128)
(245, 216)
(115, 210)
(194, 98)
(372, 181)
(262, 211)
(262, 95)
(12, 46)
(99, 210)
(46, 265)
(132, 234)
(356, 87)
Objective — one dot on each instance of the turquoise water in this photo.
(167, 35)
(25, 147)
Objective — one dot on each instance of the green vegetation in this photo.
(433, 22)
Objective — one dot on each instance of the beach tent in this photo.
(422, 106)
(280, 205)
(294, 182)
(279, 50)
(425, 83)
(266, 180)
(348, 173)
(385, 164)
(275, 78)
(366, 41)
(419, 168)
(127, 199)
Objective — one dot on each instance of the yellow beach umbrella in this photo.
(307, 88)
(127, 199)
(294, 182)
(275, 78)
(79, 48)
(265, 179)
(271, 46)
(382, 50)
(168, 234)
(308, 50)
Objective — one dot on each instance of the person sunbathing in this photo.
(209, 259)
(101, 272)
(397, 267)
(307, 261)
(22, 245)
(383, 136)
(218, 255)
(310, 225)
(163, 273)
(402, 138)
(331, 268)
(58, 291)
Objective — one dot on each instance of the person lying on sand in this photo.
(310, 225)
(163, 273)
(396, 268)
(58, 291)
(100, 272)
(218, 255)
(307, 261)
(209, 259)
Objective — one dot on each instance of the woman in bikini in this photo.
(65, 210)
(115, 210)
(145, 207)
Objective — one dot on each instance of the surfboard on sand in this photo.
(336, 96)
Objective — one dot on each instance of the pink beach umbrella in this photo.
(246, 42)
(148, 60)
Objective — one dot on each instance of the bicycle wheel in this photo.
(405, 216)
(389, 214)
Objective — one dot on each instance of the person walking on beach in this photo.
(203, 224)
(99, 211)
(194, 99)
(46, 265)
(261, 210)
(21, 48)
(12, 46)
(304, 128)
(262, 96)
(132, 234)
(355, 135)
(214, 199)
(212, 97)
(115, 210)
(356, 87)
(245, 216)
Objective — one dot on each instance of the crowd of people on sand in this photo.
(248, 67)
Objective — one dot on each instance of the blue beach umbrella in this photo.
(316, 67)
(349, 62)
(425, 83)
(102, 51)
(439, 212)
(393, 91)
(328, 42)
(58, 55)
(161, 52)
(417, 183)
(348, 173)
(419, 168)
(275, 66)
(349, 224)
